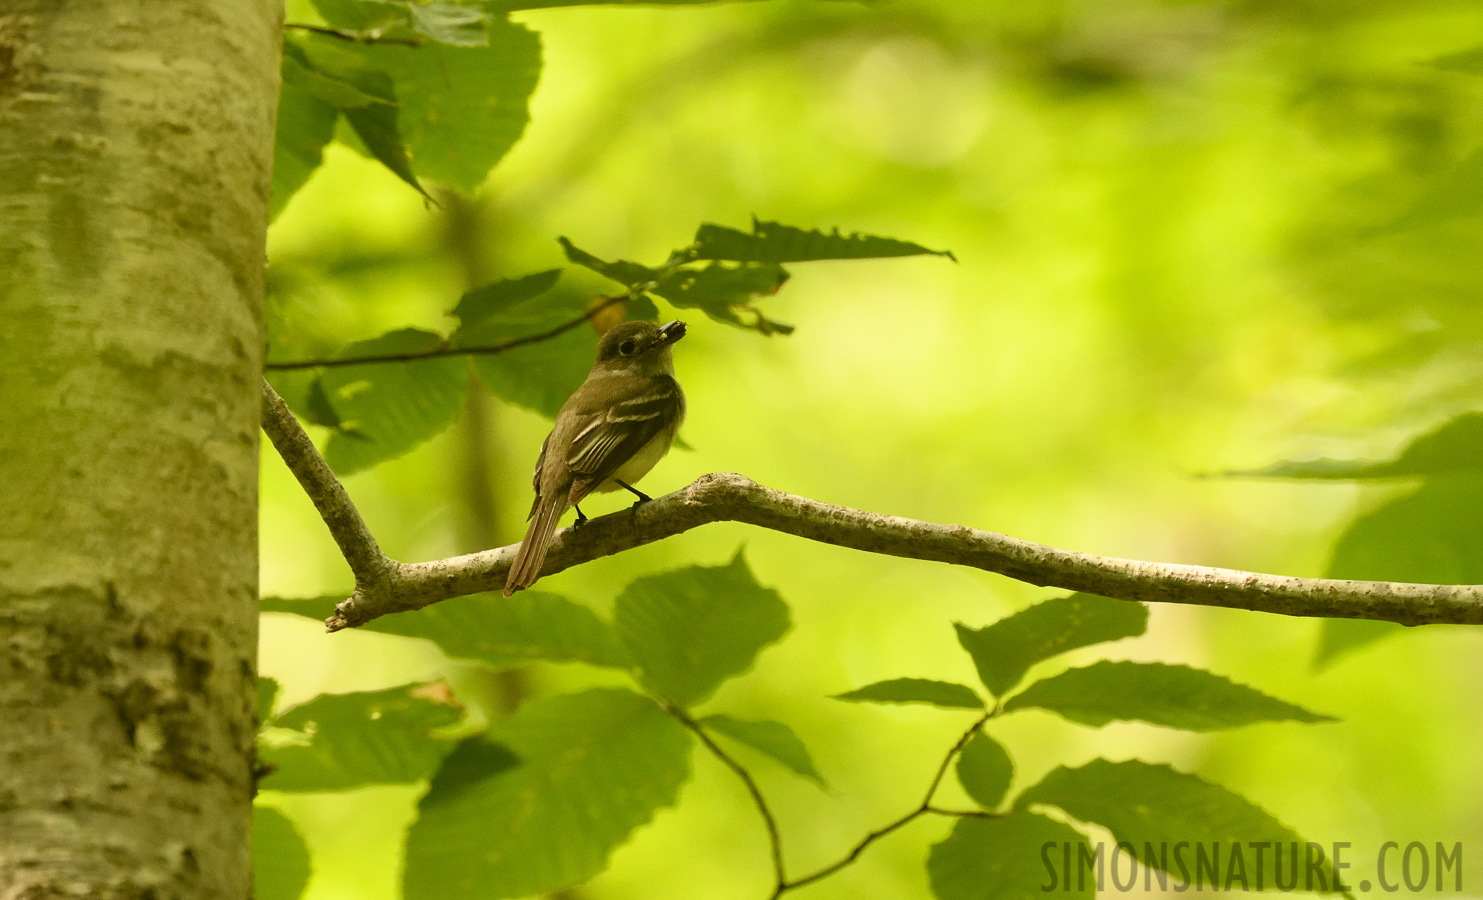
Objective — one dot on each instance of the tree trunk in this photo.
(135, 144)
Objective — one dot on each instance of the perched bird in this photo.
(607, 436)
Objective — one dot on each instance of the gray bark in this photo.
(135, 145)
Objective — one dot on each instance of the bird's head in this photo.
(641, 346)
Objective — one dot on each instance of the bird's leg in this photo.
(642, 497)
(581, 517)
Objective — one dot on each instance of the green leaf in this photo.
(719, 289)
(377, 128)
(772, 242)
(771, 738)
(353, 740)
(916, 690)
(594, 767)
(507, 294)
(691, 629)
(362, 16)
(1153, 806)
(387, 408)
(267, 693)
(1470, 61)
(1172, 696)
(1005, 650)
(540, 375)
(985, 770)
(1454, 448)
(334, 76)
(462, 108)
(629, 274)
(305, 126)
(450, 23)
(503, 631)
(1001, 859)
(280, 860)
(1433, 535)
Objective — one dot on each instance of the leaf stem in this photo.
(445, 349)
(922, 809)
(774, 839)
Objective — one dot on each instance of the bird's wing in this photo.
(535, 480)
(608, 438)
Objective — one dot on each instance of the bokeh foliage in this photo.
(1194, 237)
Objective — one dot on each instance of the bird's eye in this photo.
(627, 347)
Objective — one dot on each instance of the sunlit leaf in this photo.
(1001, 859)
(916, 690)
(985, 770)
(771, 738)
(1172, 696)
(280, 859)
(502, 631)
(1005, 650)
(773, 242)
(1153, 807)
(461, 108)
(358, 739)
(387, 408)
(593, 767)
(690, 629)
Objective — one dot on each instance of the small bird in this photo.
(608, 434)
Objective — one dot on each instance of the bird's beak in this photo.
(671, 332)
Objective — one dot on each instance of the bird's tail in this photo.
(532, 553)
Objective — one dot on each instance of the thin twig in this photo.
(445, 349)
(774, 839)
(359, 37)
(922, 809)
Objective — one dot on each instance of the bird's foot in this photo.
(581, 518)
(642, 497)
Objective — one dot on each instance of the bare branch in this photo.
(386, 586)
(373, 569)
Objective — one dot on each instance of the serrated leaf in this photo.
(462, 108)
(593, 767)
(358, 739)
(1454, 448)
(1153, 806)
(1000, 859)
(280, 859)
(719, 289)
(773, 242)
(1433, 535)
(305, 125)
(503, 631)
(387, 408)
(267, 693)
(916, 690)
(1171, 696)
(690, 629)
(985, 770)
(507, 294)
(771, 738)
(1005, 650)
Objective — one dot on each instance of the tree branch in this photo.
(386, 586)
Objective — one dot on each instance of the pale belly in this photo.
(641, 462)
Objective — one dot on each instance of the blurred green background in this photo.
(1192, 237)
